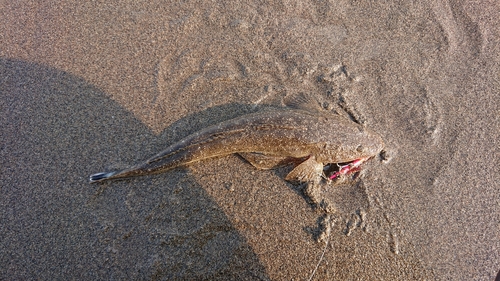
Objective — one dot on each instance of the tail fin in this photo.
(101, 176)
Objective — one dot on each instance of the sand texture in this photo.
(88, 87)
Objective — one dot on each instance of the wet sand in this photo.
(91, 87)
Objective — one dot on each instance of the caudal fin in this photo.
(101, 176)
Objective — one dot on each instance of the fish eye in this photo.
(360, 148)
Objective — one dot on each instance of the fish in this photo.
(303, 132)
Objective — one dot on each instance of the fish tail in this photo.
(102, 176)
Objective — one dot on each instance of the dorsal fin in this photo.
(303, 101)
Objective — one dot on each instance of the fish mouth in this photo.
(336, 170)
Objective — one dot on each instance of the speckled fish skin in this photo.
(323, 136)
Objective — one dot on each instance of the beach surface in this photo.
(90, 87)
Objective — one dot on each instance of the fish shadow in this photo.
(57, 129)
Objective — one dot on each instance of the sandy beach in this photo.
(89, 87)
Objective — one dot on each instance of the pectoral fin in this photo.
(264, 162)
(308, 171)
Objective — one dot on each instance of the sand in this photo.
(90, 87)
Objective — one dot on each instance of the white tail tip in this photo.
(101, 176)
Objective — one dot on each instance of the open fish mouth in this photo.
(339, 169)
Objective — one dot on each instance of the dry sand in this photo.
(89, 87)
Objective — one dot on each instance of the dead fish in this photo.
(303, 131)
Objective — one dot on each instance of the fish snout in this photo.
(371, 145)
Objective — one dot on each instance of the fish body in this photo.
(317, 137)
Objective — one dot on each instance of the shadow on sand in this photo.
(56, 130)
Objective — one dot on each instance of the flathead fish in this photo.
(303, 131)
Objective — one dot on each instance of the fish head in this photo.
(351, 143)
(366, 145)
